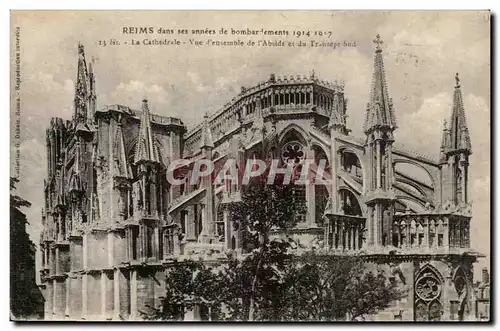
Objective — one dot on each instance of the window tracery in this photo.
(428, 291)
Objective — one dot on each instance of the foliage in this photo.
(15, 200)
(266, 207)
(325, 288)
(270, 281)
(25, 297)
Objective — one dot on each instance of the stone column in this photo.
(341, 234)
(463, 183)
(370, 225)
(133, 294)
(109, 297)
(75, 297)
(58, 262)
(156, 244)
(53, 293)
(446, 232)
(111, 249)
(49, 303)
(116, 295)
(408, 234)
(103, 295)
(67, 299)
(379, 163)
(451, 175)
(60, 236)
(85, 244)
(227, 228)
(426, 233)
(142, 242)
(84, 295)
(389, 174)
(334, 157)
(370, 171)
(310, 190)
(376, 218)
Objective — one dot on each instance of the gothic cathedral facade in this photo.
(112, 224)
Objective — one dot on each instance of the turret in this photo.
(148, 165)
(337, 121)
(455, 151)
(379, 126)
(81, 99)
(206, 135)
(145, 151)
(92, 95)
(207, 145)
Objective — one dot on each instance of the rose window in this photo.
(293, 153)
(428, 288)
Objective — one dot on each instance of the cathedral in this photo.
(112, 222)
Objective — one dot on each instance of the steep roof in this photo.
(145, 149)
(379, 112)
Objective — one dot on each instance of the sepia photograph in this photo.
(250, 166)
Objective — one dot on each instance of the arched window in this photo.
(458, 181)
(320, 157)
(221, 233)
(321, 199)
(350, 163)
(428, 293)
(349, 203)
(293, 153)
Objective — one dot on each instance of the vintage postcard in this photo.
(250, 166)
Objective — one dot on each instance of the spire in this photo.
(92, 94)
(459, 132)
(145, 149)
(206, 134)
(379, 112)
(81, 87)
(337, 117)
(120, 166)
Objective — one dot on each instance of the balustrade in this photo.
(344, 232)
(430, 231)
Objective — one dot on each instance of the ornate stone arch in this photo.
(293, 128)
(428, 296)
(463, 288)
(293, 144)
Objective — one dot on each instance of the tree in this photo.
(271, 281)
(325, 288)
(25, 297)
(264, 208)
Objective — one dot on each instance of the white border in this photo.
(190, 4)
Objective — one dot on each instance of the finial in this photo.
(313, 74)
(457, 80)
(80, 48)
(206, 115)
(378, 43)
(445, 125)
(341, 85)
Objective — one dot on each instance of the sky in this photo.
(422, 53)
